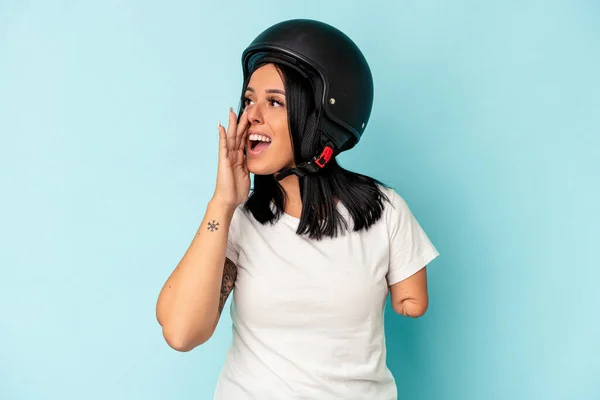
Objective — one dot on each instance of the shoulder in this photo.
(397, 214)
(394, 203)
(237, 219)
(240, 215)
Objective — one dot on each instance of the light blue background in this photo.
(486, 120)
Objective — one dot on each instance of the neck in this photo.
(293, 204)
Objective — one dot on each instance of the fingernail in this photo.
(219, 124)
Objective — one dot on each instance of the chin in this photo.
(267, 162)
(261, 168)
(264, 167)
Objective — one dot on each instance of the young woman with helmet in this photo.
(313, 250)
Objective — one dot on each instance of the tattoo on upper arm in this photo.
(229, 275)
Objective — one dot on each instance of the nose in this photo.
(254, 114)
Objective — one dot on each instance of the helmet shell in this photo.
(340, 75)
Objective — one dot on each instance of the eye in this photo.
(273, 101)
(276, 101)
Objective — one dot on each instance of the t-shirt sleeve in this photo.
(410, 247)
(232, 252)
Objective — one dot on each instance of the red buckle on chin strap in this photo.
(310, 167)
(325, 156)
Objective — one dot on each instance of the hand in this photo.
(233, 177)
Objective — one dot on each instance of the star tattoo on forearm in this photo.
(213, 226)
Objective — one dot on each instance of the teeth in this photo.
(255, 137)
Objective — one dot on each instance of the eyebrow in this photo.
(279, 91)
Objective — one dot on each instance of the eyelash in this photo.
(270, 99)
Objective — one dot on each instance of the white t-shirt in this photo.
(308, 315)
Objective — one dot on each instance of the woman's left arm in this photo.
(409, 297)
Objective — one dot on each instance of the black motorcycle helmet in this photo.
(341, 80)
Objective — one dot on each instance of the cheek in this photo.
(284, 147)
(283, 136)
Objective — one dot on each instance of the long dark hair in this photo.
(360, 194)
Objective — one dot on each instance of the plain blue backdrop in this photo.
(486, 120)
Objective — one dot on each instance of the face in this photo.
(269, 147)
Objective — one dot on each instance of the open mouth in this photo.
(258, 143)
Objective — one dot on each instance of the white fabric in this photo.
(308, 315)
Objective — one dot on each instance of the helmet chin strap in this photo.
(310, 167)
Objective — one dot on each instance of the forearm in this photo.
(410, 307)
(409, 296)
(188, 304)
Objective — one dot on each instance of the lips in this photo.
(258, 142)
(259, 148)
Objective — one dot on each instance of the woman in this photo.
(314, 249)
